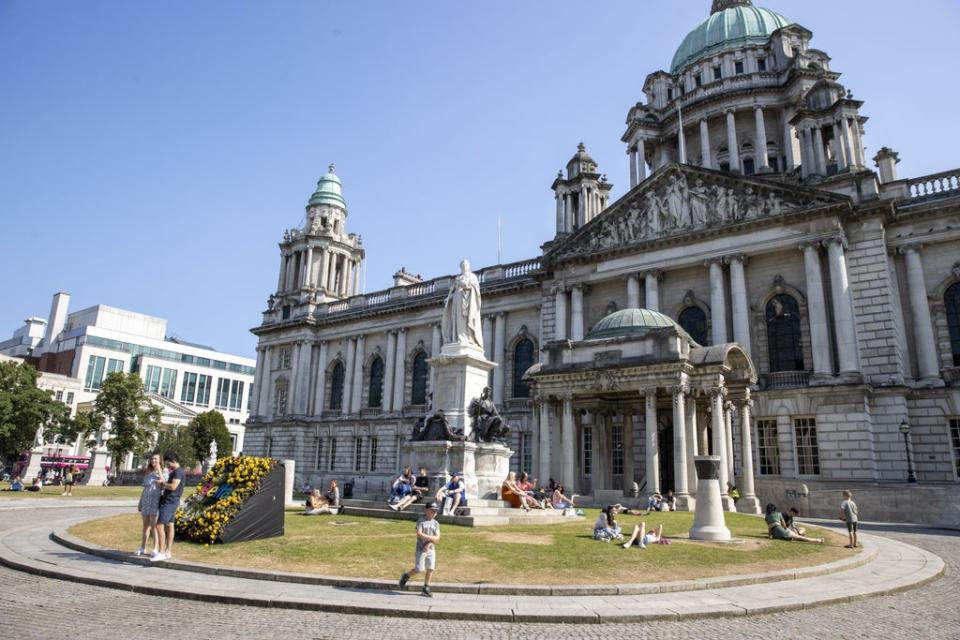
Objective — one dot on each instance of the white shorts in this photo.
(649, 538)
(425, 560)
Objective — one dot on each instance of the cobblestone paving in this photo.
(32, 608)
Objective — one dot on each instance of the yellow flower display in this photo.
(224, 489)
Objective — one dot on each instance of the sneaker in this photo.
(157, 557)
(426, 593)
(139, 552)
(625, 545)
(404, 579)
(642, 546)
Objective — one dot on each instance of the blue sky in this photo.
(152, 153)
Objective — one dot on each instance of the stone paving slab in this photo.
(896, 566)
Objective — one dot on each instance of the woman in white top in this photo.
(150, 501)
(641, 537)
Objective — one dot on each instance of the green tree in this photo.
(24, 408)
(84, 426)
(178, 440)
(132, 416)
(210, 427)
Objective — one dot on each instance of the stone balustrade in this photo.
(937, 184)
(785, 379)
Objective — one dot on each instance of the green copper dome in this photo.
(738, 25)
(329, 191)
(634, 323)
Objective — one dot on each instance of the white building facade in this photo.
(754, 218)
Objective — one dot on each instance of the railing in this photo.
(338, 306)
(378, 298)
(422, 289)
(934, 185)
(520, 269)
(786, 379)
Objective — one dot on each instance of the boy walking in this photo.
(850, 515)
(425, 558)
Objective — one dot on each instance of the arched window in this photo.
(336, 387)
(951, 300)
(375, 400)
(522, 360)
(418, 392)
(783, 334)
(694, 321)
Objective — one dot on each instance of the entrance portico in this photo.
(635, 401)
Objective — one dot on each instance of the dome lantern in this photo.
(329, 190)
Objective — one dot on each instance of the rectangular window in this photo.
(168, 384)
(717, 72)
(808, 453)
(586, 450)
(59, 395)
(955, 443)
(189, 389)
(699, 80)
(526, 452)
(616, 443)
(284, 356)
(203, 390)
(768, 447)
(94, 377)
(373, 454)
(761, 64)
(669, 94)
(114, 366)
(70, 397)
(236, 395)
(280, 399)
(738, 67)
(332, 463)
(318, 460)
(358, 454)
(151, 381)
(223, 393)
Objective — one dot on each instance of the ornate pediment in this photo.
(683, 200)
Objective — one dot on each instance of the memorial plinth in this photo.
(461, 373)
(483, 465)
(708, 520)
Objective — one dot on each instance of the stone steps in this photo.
(480, 513)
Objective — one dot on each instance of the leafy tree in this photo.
(83, 426)
(178, 440)
(132, 416)
(24, 408)
(210, 427)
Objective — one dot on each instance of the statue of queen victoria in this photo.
(461, 310)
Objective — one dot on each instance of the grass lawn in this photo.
(52, 491)
(530, 554)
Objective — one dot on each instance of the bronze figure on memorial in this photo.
(486, 423)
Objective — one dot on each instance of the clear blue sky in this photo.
(152, 153)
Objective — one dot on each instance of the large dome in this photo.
(633, 323)
(733, 27)
(329, 191)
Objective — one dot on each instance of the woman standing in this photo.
(68, 479)
(149, 506)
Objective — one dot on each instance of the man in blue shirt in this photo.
(169, 503)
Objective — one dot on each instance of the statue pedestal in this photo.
(484, 465)
(462, 372)
(708, 521)
(97, 471)
(33, 468)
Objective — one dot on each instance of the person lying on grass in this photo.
(317, 504)
(641, 537)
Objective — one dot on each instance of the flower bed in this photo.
(219, 497)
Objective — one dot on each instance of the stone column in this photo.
(653, 444)
(388, 369)
(569, 446)
(628, 472)
(560, 221)
(691, 426)
(728, 439)
(486, 324)
(652, 287)
(809, 157)
(818, 151)
(567, 213)
(348, 377)
(259, 374)
(706, 159)
(760, 143)
(633, 291)
(600, 455)
(308, 270)
(434, 352)
(632, 152)
(680, 447)
(838, 147)
(544, 439)
(732, 145)
(788, 146)
(331, 271)
(319, 279)
(358, 266)
(927, 366)
(816, 310)
(576, 312)
(858, 151)
(283, 272)
(718, 303)
(741, 305)
(582, 207)
(748, 498)
(319, 392)
(560, 314)
(358, 380)
(719, 442)
(499, 344)
(641, 160)
(294, 382)
(399, 371)
(263, 384)
(848, 143)
(842, 308)
(303, 378)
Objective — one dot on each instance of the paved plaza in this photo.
(35, 607)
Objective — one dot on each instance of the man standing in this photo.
(169, 503)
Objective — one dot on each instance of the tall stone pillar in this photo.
(600, 457)
(633, 291)
(728, 439)
(348, 377)
(818, 151)
(691, 426)
(568, 434)
(718, 303)
(486, 324)
(641, 160)
(321, 272)
(294, 383)
(308, 269)
(858, 151)
(582, 207)
(706, 158)
(680, 449)
(576, 312)
(560, 222)
(388, 368)
(760, 144)
(253, 406)
(848, 143)
(652, 290)
(319, 395)
(809, 157)
(263, 395)
(927, 366)
(499, 344)
(719, 442)
(840, 152)
(816, 310)
(331, 273)
(652, 441)
(283, 272)
(847, 351)
(741, 305)
(632, 152)
(732, 144)
(358, 381)
(303, 378)
(748, 498)
(399, 371)
(434, 352)
(544, 441)
(560, 315)
(788, 143)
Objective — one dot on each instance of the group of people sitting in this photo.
(785, 527)
(323, 503)
(409, 489)
(17, 485)
(523, 494)
(606, 528)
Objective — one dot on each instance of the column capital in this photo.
(717, 391)
(678, 390)
(745, 403)
(839, 239)
(646, 392)
(501, 314)
(657, 274)
(401, 330)
(737, 257)
(811, 245)
(712, 261)
(907, 248)
(729, 111)
(559, 287)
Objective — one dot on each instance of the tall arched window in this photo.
(951, 300)
(522, 360)
(418, 394)
(375, 399)
(694, 321)
(336, 387)
(783, 334)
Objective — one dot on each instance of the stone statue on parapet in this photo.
(461, 310)
(486, 423)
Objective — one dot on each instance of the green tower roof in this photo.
(329, 191)
(739, 24)
(634, 323)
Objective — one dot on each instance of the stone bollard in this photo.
(288, 480)
(708, 521)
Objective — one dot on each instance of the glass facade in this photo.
(168, 383)
(94, 378)
(164, 354)
(151, 379)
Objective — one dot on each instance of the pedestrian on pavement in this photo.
(850, 515)
(149, 505)
(425, 557)
(169, 503)
(68, 478)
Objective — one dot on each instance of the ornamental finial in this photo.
(331, 168)
(720, 5)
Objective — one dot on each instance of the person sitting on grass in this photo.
(778, 530)
(317, 504)
(669, 502)
(16, 484)
(654, 502)
(790, 519)
(333, 494)
(560, 501)
(511, 492)
(36, 486)
(641, 537)
(606, 527)
(453, 494)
